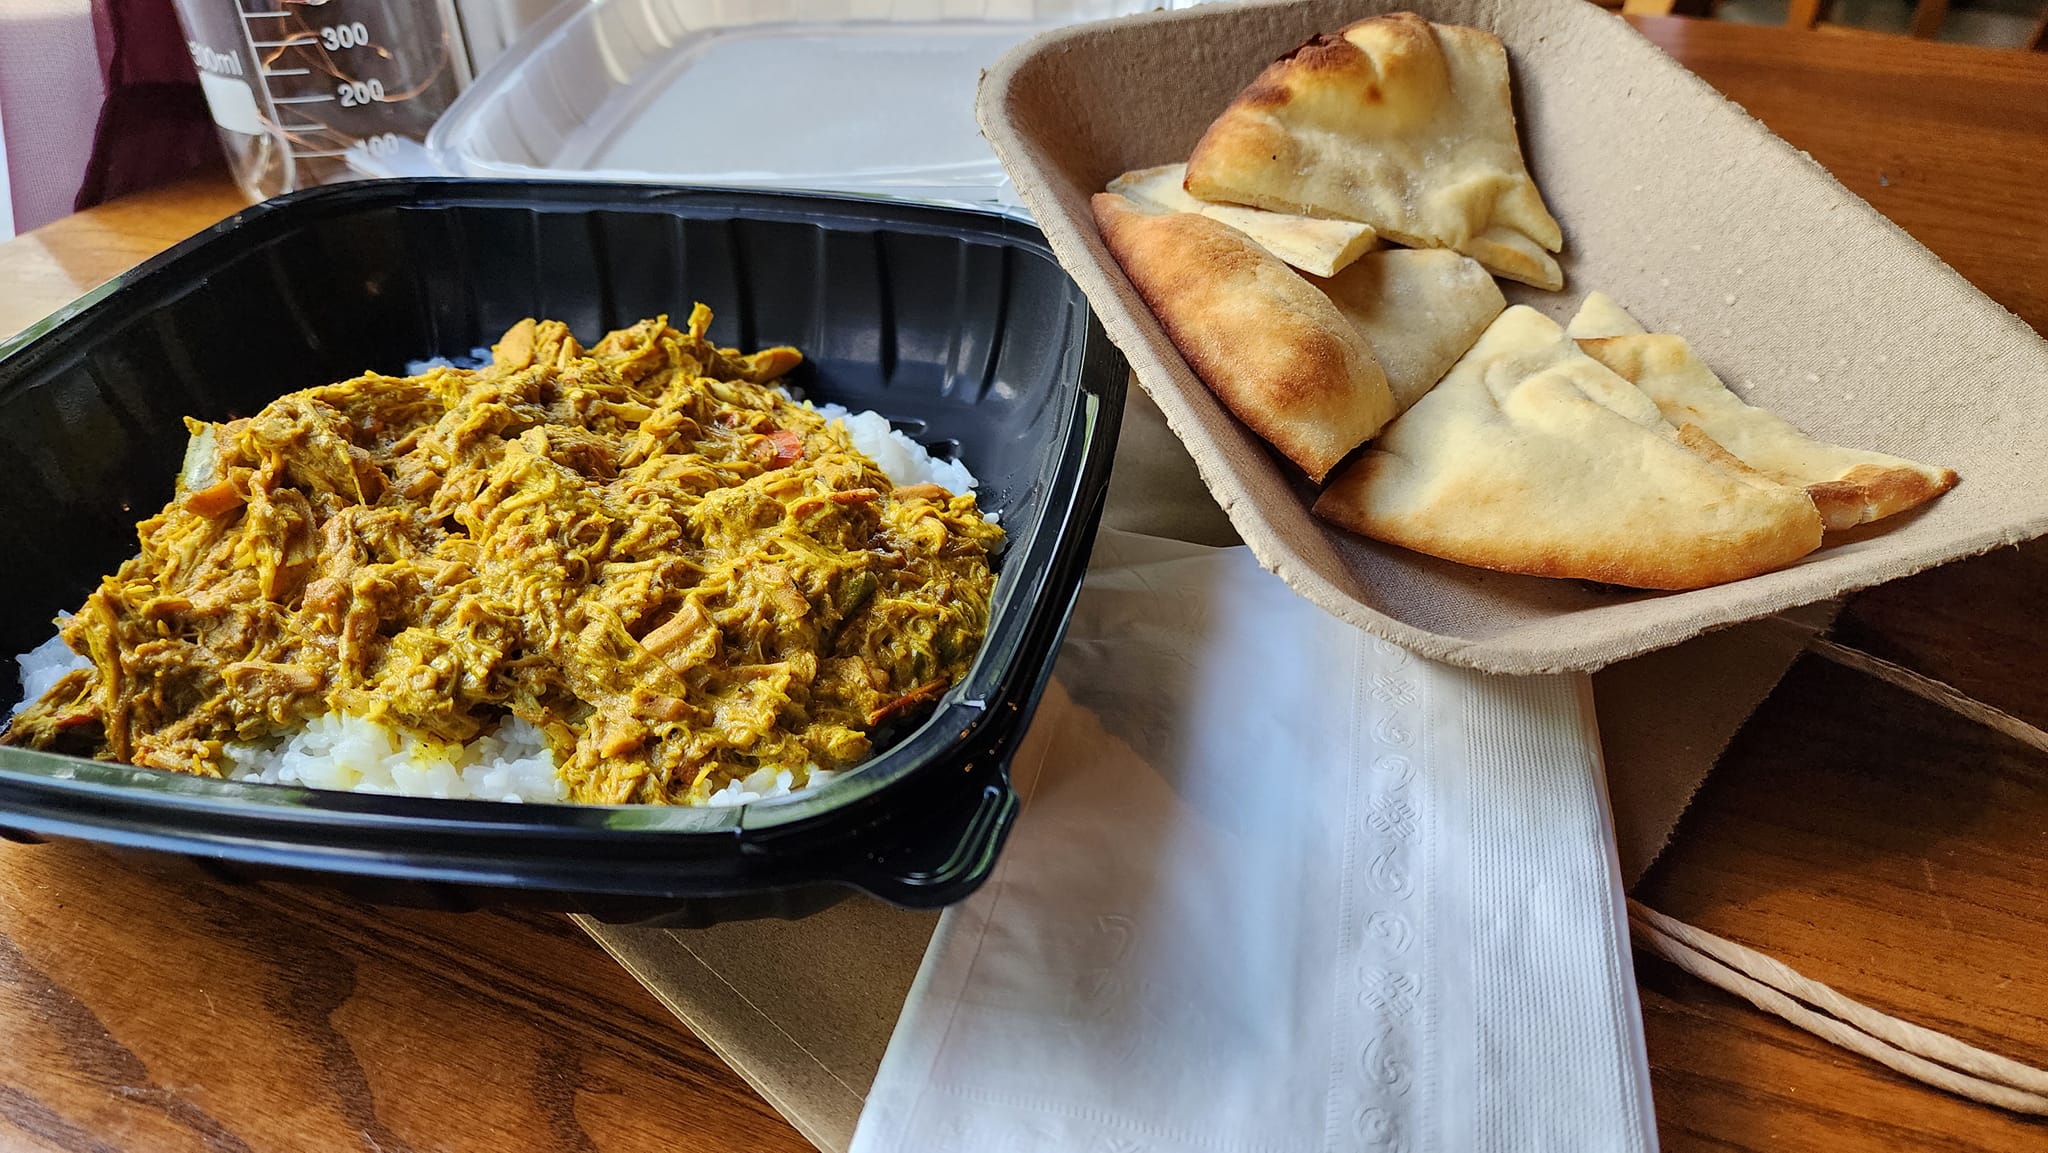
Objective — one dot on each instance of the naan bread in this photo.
(1322, 247)
(1530, 457)
(1599, 315)
(1849, 486)
(1419, 308)
(1276, 351)
(1399, 123)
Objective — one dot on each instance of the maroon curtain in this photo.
(154, 127)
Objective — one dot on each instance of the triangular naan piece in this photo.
(1530, 457)
(1511, 254)
(1419, 308)
(1850, 486)
(1599, 315)
(1276, 351)
(1397, 122)
(1322, 247)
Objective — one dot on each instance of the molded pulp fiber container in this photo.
(957, 324)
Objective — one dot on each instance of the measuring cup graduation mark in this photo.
(337, 76)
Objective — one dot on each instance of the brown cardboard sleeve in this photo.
(1674, 201)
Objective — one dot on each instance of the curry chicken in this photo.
(645, 549)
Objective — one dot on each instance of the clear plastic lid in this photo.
(869, 96)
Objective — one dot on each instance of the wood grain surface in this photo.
(1869, 839)
(1866, 837)
(145, 1007)
(1879, 844)
(44, 269)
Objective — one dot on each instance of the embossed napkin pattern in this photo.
(1278, 886)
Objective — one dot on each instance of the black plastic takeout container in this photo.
(957, 324)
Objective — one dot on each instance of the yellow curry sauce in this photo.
(676, 573)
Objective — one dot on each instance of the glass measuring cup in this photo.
(296, 85)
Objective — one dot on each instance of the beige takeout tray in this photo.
(1675, 202)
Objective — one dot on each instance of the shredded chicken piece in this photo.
(645, 550)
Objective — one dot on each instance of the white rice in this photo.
(904, 460)
(511, 762)
(477, 358)
(336, 751)
(763, 783)
(43, 666)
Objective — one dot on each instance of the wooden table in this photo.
(1873, 840)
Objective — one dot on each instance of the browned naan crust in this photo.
(1276, 351)
(1327, 55)
(1323, 60)
(1870, 492)
(1695, 438)
(1674, 565)
(1525, 459)
(1847, 494)
(1402, 124)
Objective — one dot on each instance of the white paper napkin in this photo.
(1278, 886)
